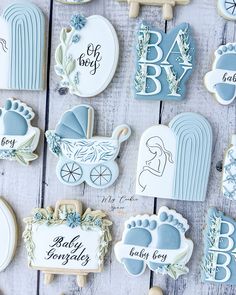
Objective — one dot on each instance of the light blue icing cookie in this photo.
(193, 156)
(25, 49)
(164, 63)
(174, 161)
(82, 157)
(18, 139)
(219, 265)
(221, 81)
(146, 236)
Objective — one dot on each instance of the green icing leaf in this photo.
(70, 66)
(59, 55)
(63, 36)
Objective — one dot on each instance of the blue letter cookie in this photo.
(220, 243)
(164, 63)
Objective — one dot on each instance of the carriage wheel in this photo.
(101, 175)
(230, 6)
(71, 172)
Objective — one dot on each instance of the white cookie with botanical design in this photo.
(67, 241)
(87, 56)
(8, 230)
(18, 138)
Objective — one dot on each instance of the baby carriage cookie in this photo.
(229, 171)
(67, 241)
(174, 161)
(221, 81)
(164, 63)
(219, 263)
(8, 229)
(134, 6)
(157, 241)
(22, 47)
(227, 9)
(18, 139)
(87, 56)
(83, 157)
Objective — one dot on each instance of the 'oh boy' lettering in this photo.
(164, 63)
(219, 261)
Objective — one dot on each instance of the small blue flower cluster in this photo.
(73, 219)
(78, 22)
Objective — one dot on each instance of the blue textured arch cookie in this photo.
(156, 241)
(164, 63)
(219, 265)
(221, 80)
(22, 46)
(174, 161)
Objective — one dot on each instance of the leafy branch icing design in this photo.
(66, 64)
(23, 154)
(89, 220)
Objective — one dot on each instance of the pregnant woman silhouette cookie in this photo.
(157, 164)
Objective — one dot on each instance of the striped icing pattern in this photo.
(193, 156)
(27, 27)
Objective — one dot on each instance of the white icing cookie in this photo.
(156, 241)
(221, 80)
(227, 9)
(155, 291)
(8, 229)
(22, 47)
(87, 56)
(65, 241)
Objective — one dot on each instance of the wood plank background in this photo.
(37, 185)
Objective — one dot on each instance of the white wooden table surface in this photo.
(37, 185)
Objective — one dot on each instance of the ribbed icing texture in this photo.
(194, 147)
(27, 27)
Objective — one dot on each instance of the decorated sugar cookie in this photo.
(221, 81)
(87, 56)
(83, 157)
(22, 47)
(219, 263)
(164, 63)
(227, 9)
(8, 230)
(18, 138)
(156, 241)
(134, 6)
(174, 161)
(229, 171)
(67, 241)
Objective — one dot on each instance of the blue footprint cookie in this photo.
(221, 81)
(18, 139)
(157, 241)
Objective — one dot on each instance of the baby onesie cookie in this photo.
(219, 263)
(22, 47)
(18, 138)
(167, 6)
(227, 9)
(174, 161)
(67, 241)
(156, 241)
(221, 81)
(82, 156)
(164, 63)
(87, 56)
(229, 171)
(8, 229)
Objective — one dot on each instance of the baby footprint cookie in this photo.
(156, 241)
(221, 81)
(18, 138)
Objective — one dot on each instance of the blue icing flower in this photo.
(38, 216)
(76, 78)
(98, 222)
(75, 39)
(78, 22)
(73, 219)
